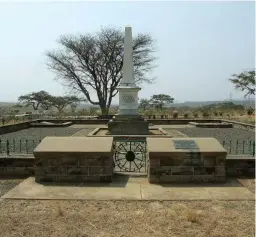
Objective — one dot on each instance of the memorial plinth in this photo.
(128, 121)
(183, 160)
(74, 159)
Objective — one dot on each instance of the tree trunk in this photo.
(104, 110)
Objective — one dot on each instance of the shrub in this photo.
(206, 114)
(250, 111)
(175, 114)
(154, 116)
(216, 113)
(186, 115)
(195, 114)
(221, 114)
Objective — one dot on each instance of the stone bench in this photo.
(169, 162)
(74, 159)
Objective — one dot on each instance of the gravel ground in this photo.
(39, 133)
(7, 184)
(18, 143)
(224, 134)
(126, 218)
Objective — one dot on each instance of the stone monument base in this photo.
(128, 125)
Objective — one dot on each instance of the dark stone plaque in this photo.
(185, 144)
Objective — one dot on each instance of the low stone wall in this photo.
(211, 125)
(180, 121)
(77, 121)
(240, 167)
(73, 168)
(45, 125)
(240, 124)
(20, 166)
(74, 159)
(14, 127)
(162, 170)
(153, 121)
(17, 166)
(173, 160)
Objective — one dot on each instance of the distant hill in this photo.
(194, 104)
(191, 104)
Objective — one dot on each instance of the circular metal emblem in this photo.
(130, 156)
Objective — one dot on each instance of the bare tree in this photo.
(93, 63)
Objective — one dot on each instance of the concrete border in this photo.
(128, 189)
(211, 125)
(96, 130)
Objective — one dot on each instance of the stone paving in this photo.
(130, 188)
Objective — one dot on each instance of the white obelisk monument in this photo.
(128, 121)
(128, 91)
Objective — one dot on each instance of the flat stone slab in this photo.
(130, 188)
(75, 144)
(205, 144)
(88, 126)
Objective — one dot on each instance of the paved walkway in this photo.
(130, 188)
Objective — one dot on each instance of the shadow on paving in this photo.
(231, 182)
(118, 181)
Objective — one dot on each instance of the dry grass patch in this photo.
(193, 217)
(126, 218)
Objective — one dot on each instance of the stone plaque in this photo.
(185, 144)
(128, 99)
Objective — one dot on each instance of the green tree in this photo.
(60, 102)
(144, 104)
(35, 99)
(92, 63)
(160, 100)
(244, 81)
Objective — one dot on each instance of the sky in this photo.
(199, 44)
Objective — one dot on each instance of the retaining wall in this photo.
(17, 166)
(24, 125)
(14, 166)
(240, 167)
(15, 127)
(73, 168)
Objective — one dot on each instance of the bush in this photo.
(175, 114)
(216, 113)
(185, 115)
(250, 111)
(206, 114)
(195, 114)
(221, 114)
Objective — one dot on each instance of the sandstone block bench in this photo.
(183, 160)
(74, 159)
